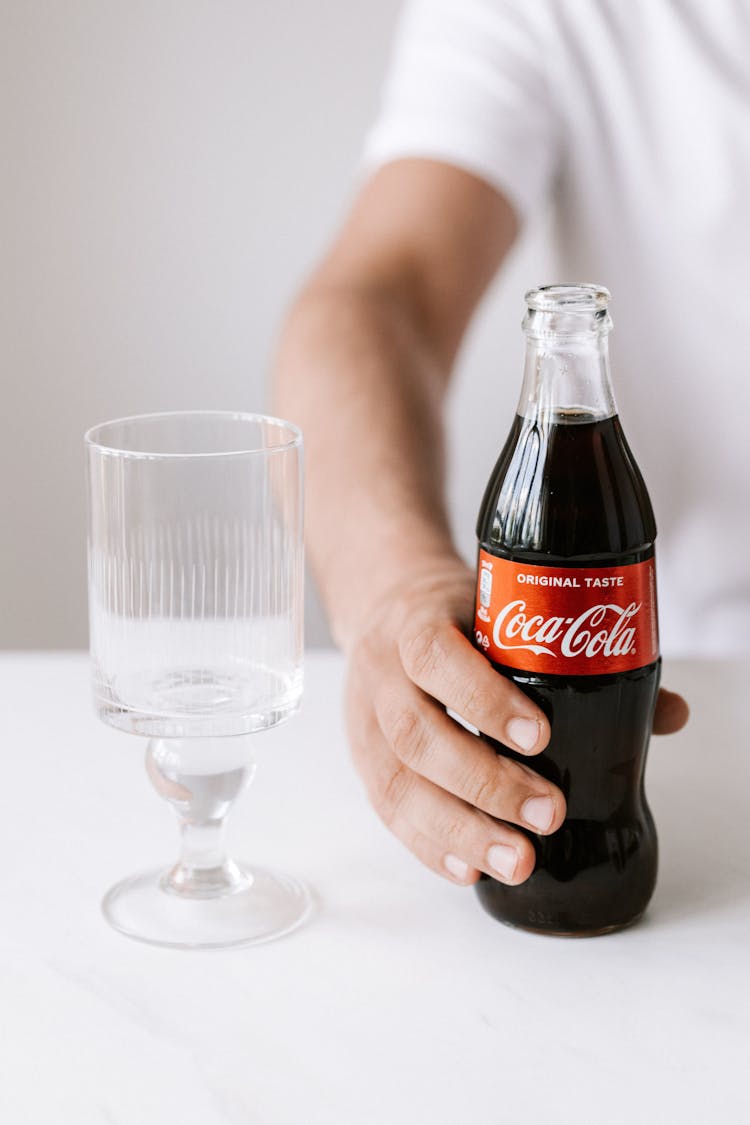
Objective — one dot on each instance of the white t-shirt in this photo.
(634, 120)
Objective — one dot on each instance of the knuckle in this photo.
(408, 733)
(478, 702)
(422, 652)
(390, 798)
(503, 791)
(483, 790)
(452, 829)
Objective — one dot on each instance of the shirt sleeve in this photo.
(467, 84)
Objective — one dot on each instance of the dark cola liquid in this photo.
(567, 492)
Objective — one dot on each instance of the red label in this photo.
(569, 621)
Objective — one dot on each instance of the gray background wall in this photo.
(170, 173)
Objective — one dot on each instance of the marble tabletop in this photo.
(400, 1001)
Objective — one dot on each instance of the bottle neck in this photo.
(566, 371)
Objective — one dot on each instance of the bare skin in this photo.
(364, 363)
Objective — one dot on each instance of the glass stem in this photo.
(202, 801)
(204, 869)
(203, 845)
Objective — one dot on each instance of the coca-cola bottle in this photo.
(566, 609)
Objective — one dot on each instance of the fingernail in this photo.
(456, 866)
(523, 733)
(538, 812)
(503, 859)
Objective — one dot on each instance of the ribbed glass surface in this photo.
(195, 573)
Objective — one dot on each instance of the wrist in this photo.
(385, 590)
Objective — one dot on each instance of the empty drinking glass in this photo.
(195, 605)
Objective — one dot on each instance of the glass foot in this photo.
(267, 905)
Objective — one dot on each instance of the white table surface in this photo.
(401, 1001)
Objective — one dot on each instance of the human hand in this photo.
(442, 791)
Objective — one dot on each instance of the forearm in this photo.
(357, 374)
(363, 367)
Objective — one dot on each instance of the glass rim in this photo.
(294, 442)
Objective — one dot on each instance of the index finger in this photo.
(439, 659)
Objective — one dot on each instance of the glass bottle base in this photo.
(267, 905)
(601, 931)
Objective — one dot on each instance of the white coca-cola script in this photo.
(579, 636)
